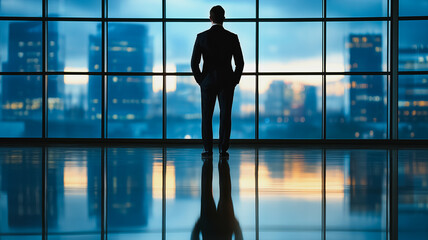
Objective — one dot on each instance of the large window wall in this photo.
(314, 69)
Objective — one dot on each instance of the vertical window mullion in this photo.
(393, 101)
(324, 67)
(164, 70)
(103, 70)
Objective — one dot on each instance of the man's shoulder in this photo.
(230, 33)
(203, 33)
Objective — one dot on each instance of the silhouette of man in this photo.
(220, 223)
(217, 46)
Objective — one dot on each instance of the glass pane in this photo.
(21, 192)
(134, 9)
(74, 183)
(290, 107)
(134, 107)
(412, 194)
(201, 9)
(289, 183)
(413, 106)
(135, 47)
(356, 194)
(290, 8)
(360, 8)
(74, 8)
(357, 107)
(357, 46)
(413, 46)
(74, 46)
(74, 106)
(134, 193)
(290, 49)
(21, 8)
(181, 39)
(413, 8)
(183, 108)
(21, 106)
(20, 46)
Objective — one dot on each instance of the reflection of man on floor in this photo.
(217, 223)
(217, 46)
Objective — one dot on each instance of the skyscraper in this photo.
(20, 98)
(129, 50)
(413, 105)
(22, 95)
(279, 99)
(413, 92)
(413, 58)
(366, 92)
(310, 102)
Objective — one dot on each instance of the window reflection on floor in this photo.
(279, 188)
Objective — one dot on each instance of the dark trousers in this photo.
(225, 99)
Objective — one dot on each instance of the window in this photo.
(21, 114)
(71, 52)
(134, 47)
(21, 8)
(413, 46)
(290, 107)
(134, 107)
(412, 106)
(357, 107)
(290, 49)
(314, 69)
(357, 46)
(21, 46)
(74, 106)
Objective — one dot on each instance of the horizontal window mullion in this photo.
(190, 74)
(358, 73)
(413, 18)
(11, 18)
(412, 72)
(207, 20)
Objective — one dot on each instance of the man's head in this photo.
(217, 14)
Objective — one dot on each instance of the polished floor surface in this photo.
(169, 192)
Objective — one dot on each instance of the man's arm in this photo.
(239, 60)
(196, 59)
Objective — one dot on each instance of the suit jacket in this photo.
(217, 46)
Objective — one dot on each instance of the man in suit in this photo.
(217, 46)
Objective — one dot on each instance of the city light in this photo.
(76, 79)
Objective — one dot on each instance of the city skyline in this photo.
(80, 88)
(356, 106)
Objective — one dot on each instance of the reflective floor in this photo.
(170, 193)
